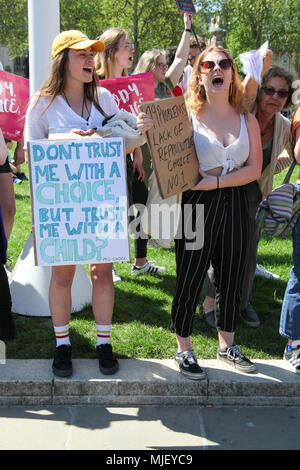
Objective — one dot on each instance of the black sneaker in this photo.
(235, 358)
(108, 364)
(292, 357)
(250, 317)
(188, 365)
(62, 363)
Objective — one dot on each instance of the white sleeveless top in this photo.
(211, 153)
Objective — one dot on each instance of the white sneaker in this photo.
(148, 268)
(260, 271)
(115, 275)
(292, 357)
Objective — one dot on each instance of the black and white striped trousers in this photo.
(225, 244)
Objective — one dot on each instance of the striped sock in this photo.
(62, 335)
(103, 334)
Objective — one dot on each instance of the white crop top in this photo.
(211, 153)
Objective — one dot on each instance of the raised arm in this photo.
(176, 69)
(249, 84)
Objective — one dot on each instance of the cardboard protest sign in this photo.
(14, 96)
(79, 200)
(130, 91)
(171, 146)
(186, 6)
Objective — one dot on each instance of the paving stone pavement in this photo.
(148, 406)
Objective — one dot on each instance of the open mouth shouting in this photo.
(217, 81)
(88, 69)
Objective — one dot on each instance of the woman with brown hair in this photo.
(229, 153)
(70, 101)
(114, 61)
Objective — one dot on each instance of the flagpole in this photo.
(43, 26)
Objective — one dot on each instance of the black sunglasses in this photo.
(270, 91)
(208, 65)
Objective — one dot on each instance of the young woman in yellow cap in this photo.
(70, 100)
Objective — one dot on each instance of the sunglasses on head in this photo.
(270, 91)
(208, 65)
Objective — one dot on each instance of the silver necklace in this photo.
(83, 103)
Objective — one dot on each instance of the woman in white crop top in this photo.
(69, 101)
(229, 152)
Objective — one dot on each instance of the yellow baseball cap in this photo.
(74, 39)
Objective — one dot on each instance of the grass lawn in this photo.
(141, 316)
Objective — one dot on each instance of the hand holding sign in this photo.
(186, 6)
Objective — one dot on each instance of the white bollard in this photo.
(29, 286)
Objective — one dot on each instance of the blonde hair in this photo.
(104, 61)
(196, 97)
(148, 61)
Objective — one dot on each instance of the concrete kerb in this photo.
(147, 381)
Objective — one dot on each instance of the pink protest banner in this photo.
(130, 91)
(14, 97)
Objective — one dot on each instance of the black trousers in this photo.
(225, 244)
(254, 197)
(137, 194)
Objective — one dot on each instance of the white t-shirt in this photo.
(59, 117)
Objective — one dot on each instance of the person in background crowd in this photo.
(7, 195)
(7, 325)
(17, 174)
(165, 77)
(114, 62)
(290, 312)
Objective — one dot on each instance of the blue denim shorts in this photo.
(290, 312)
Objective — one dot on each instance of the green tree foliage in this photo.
(158, 23)
(14, 26)
(151, 23)
(249, 23)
